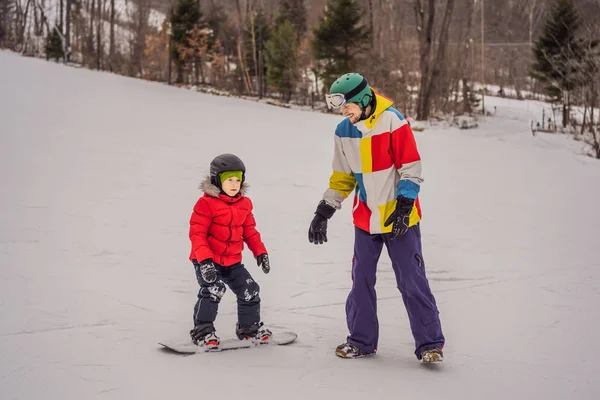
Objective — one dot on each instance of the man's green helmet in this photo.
(355, 89)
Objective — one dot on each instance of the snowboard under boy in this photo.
(221, 222)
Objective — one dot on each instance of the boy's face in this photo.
(231, 186)
(352, 111)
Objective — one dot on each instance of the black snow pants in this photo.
(239, 280)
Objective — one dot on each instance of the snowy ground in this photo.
(98, 177)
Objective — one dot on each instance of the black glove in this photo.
(208, 270)
(400, 216)
(263, 262)
(317, 233)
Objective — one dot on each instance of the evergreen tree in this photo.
(281, 59)
(340, 38)
(295, 12)
(54, 45)
(184, 16)
(558, 53)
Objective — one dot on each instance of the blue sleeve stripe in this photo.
(408, 189)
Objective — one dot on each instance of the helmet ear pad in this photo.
(214, 179)
(365, 101)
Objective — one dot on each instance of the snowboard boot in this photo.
(253, 332)
(432, 356)
(348, 350)
(211, 341)
(203, 334)
(263, 336)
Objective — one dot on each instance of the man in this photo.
(376, 156)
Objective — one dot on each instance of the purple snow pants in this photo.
(407, 262)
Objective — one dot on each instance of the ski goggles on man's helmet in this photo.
(335, 100)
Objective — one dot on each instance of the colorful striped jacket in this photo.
(379, 160)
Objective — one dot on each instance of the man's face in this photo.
(352, 111)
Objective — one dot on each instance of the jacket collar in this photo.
(383, 103)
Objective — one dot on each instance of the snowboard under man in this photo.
(222, 221)
(376, 156)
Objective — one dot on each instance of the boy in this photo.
(221, 222)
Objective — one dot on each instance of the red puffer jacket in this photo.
(220, 225)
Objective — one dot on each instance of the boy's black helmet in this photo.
(225, 162)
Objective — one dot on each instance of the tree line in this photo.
(432, 57)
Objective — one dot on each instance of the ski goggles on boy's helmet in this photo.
(335, 100)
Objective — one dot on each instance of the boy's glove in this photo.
(400, 216)
(317, 233)
(208, 270)
(263, 262)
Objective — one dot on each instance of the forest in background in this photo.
(432, 57)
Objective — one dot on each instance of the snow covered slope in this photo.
(98, 177)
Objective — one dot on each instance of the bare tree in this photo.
(111, 51)
(242, 14)
(99, 31)
(465, 59)
(6, 22)
(252, 18)
(68, 29)
(139, 27)
(90, 36)
(431, 69)
(21, 18)
(590, 79)
(38, 24)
